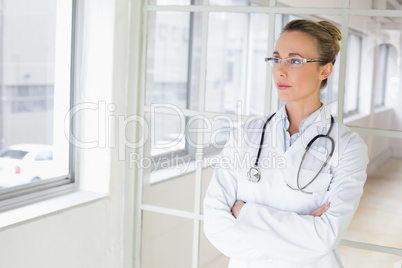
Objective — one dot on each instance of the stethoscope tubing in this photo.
(256, 176)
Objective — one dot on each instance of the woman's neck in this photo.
(296, 113)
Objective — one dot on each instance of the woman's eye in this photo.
(295, 61)
(276, 60)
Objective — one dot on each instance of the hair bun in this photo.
(332, 30)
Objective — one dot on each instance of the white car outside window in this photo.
(25, 163)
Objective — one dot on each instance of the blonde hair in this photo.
(327, 37)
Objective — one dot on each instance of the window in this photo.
(234, 77)
(36, 50)
(204, 72)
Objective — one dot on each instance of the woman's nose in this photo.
(282, 69)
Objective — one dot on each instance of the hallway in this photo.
(378, 219)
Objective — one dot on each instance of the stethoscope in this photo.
(254, 175)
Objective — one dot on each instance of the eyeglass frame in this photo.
(267, 60)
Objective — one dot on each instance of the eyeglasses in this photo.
(291, 62)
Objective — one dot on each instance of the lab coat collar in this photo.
(319, 126)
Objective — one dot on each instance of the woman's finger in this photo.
(319, 211)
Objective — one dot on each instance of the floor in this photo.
(378, 219)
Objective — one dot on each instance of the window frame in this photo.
(26, 194)
(272, 9)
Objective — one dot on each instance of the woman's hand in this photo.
(319, 211)
(236, 208)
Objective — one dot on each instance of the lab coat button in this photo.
(270, 260)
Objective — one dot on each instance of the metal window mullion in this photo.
(375, 12)
(270, 48)
(190, 60)
(138, 213)
(247, 9)
(342, 66)
(200, 138)
(75, 30)
(279, 10)
(189, 74)
(246, 71)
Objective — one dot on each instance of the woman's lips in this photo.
(282, 86)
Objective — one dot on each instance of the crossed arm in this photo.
(316, 213)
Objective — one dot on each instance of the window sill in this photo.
(359, 116)
(28, 213)
(382, 109)
(353, 118)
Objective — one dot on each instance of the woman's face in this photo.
(298, 84)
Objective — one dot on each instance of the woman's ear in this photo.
(326, 71)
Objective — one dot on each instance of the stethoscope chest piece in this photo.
(253, 175)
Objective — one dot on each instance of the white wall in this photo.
(80, 237)
(99, 233)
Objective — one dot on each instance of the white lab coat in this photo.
(274, 227)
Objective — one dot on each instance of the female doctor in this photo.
(292, 182)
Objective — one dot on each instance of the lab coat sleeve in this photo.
(219, 223)
(304, 238)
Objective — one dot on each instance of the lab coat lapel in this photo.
(278, 138)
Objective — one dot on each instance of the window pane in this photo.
(36, 75)
(217, 134)
(236, 71)
(167, 133)
(380, 69)
(173, 58)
